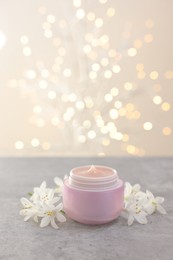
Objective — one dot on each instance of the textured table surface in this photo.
(26, 240)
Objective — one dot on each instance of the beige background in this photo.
(86, 77)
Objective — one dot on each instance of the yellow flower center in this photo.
(50, 213)
(27, 207)
(45, 198)
(138, 211)
(154, 203)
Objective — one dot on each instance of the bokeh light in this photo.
(87, 80)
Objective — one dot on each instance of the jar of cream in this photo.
(93, 194)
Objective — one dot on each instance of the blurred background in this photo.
(84, 77)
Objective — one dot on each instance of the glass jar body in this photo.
(93, 206)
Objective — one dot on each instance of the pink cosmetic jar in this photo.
(93, 194)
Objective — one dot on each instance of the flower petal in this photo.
(65, 177)
(34, 197)
(131, 206)
(45, 221)
(60, 217)
(50, 194)
(36, 218)
(130, 220)
(25, 202)
(27, 217)
(43, 185)
(161, 209)
(58, 181)
(55, 200)
(136, 188)
(150, 208)
(141, 218)
(53, 224)
(141, 201)
(126, 204)
(47, 207)
(140, 194)
(36, 190)
(59, 207)
(128, 189)
(159, 200)
(149, 194)
(23, 212)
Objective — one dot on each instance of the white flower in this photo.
(29, 210)
(134, 199)
(136, 212)
(131, 193)
(51, 213)
(42, 194)
(42, 204)
(129, 189)
(138, 204)
(153, 204)
(59, 183)
(35, 195)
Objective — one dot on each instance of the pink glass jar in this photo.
(93, 194)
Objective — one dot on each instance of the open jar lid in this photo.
(93, 177)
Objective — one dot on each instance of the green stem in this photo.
(30, 193)
(62, 211)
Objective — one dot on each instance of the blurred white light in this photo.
(98, 22)
(113, 113)
(103, 1)
(31, 74)
(55, 121)
(24, 39)
(114, 92)
(82, 139)
(80, 104)
(91, 16)
(27, 51)
(108, 97)
(108, 74)
(118, 136)
(116, 68)
(51, 18)
(40, 122)
(87, 124)
(48, 33)
(35, 142)
(45, 73)
(77, 3)
(118, 104)
(37, 109)
(92, 75)
(87, 49)
(43, 84)
(2, 40)
(96, 67)
(80, 13)
(157, 100)
(19, 145)
(67, 72)
(147, 126)
(72, 97)
(52, 94)
(132, 52)
(91, 134)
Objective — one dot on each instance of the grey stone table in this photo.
(74, 241)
